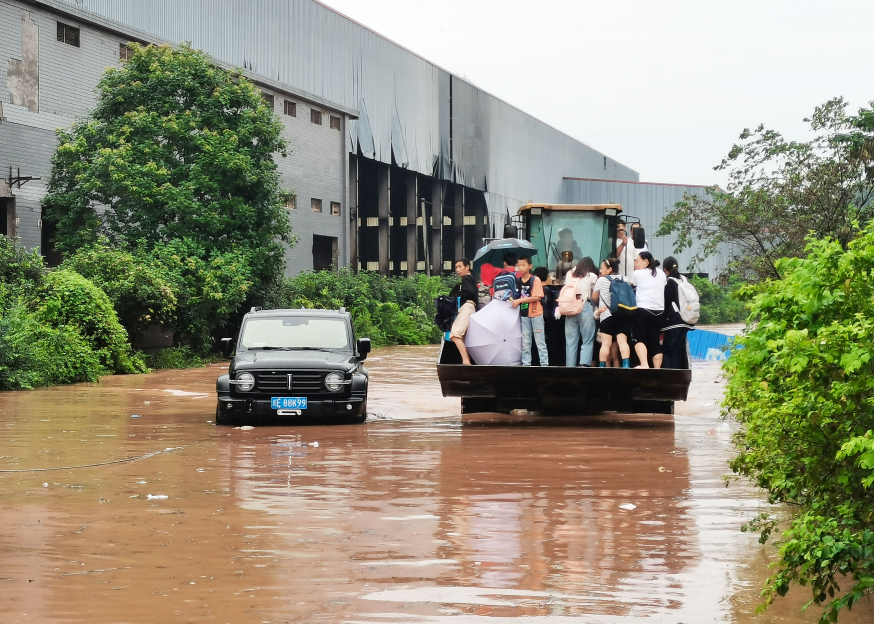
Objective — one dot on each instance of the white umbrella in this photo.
(495, 335)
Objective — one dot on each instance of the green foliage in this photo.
(389, 311)
(66, 299)
(177, 161)
(803, 386)
(779, 192)
(19, 268)
(141, 289)
(33, 354)
(719, 304)
(175, 358)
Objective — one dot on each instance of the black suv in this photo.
(294, 366)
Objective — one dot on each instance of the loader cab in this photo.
(564, 233)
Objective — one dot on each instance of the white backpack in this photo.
(690, 306)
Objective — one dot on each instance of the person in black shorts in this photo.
(646, 329)
(612, 327)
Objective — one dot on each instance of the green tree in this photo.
(802, 385)
(778, 193)
(176, 149)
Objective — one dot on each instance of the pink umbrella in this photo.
(495, 335)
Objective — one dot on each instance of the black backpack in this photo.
(447, 310)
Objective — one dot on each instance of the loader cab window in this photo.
(582, 232)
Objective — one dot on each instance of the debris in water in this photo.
(157, 497)
(246, 428)
(134, 415)
(45, 484)
(315, 444)
(628, 506)
(723, 428)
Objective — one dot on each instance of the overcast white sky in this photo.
(663, 86)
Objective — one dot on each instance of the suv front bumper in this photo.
(260, 409)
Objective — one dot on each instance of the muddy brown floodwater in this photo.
(419, 515)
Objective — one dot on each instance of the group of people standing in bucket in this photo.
(656, 331)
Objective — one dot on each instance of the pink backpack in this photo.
(568, 304)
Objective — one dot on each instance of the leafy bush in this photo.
(211, 287)
(18, 266)
(67, 299)
(175, 358)
(719, 304)
(140, 289)
(390, 311)
(803, 386)
(33, 354)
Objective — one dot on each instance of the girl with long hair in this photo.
(579, 329)
(647, 326)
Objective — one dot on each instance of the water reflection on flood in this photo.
(417, 516)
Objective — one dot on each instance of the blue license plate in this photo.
(288, 403)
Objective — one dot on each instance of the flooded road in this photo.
(416, 516)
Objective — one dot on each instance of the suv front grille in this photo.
(306, 382)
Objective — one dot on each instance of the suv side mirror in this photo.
(227, 346)
(363, 348)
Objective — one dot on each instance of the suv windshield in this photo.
(295, 333)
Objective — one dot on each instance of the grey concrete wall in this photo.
(314, 168)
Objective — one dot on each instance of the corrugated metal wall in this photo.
(430, 121)
(649, 202)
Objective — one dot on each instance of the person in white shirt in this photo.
(626, 252)
(647, 326)
(579, 329)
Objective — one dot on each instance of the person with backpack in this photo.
(650, 294)
(504, 286)
(615, 307)
(682, 309)
(575, 305)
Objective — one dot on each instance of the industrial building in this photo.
(397, 165)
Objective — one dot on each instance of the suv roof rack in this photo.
(255, 309)
(342, 309)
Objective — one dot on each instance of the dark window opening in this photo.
(325, 253)
(316, 205)
(291, 202)
(268, 99)
(290, 108)
(5, 228)
(316, 116)
(335, 123)
(124, 52)
(68, 34)
(335, 208)
(48, 232)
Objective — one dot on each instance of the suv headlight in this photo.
(334, 381)
(245, 382)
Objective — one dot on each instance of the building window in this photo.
(372, 221)
(291, 202)
(124, 52)
(68, 34)
(316, 116)
(470, 220)
(290, 108)
(335, 208)
(316, 205)
(268, 99)
(335, 123)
